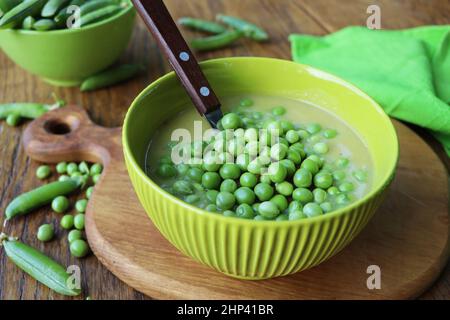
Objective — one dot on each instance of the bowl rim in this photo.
(250, 222)
(73, 31)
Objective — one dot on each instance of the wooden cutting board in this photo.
(407, 239)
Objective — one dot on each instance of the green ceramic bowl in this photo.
(251, 249)
(67, 57)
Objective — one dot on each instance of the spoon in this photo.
(166, 33)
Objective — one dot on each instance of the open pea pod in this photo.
(6, 5)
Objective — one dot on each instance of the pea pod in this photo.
(94, 5)
(39, 266)
(44, 25)
(27, 110)
(16, 15)
(202, 25)
(99, 14)
(250, 30)
(111, 77)
(28, 22)
(41, 196)
(6, 5)
(217, 41)
(13, 120)
(52, 7)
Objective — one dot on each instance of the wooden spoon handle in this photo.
(165, 31)
(67, 134)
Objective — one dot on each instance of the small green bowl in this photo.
(251, 249)
(67, 57)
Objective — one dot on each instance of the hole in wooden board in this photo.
(61, 127)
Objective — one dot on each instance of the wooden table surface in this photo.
(108, 107)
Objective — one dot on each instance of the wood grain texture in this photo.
(408, 237)
(107, 108)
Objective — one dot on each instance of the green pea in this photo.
(313, 128)
(319, 195)
(198, 187)
(225, 200)
(321, 148)
(278, 111)
(283, 141)
(273, 128)
(61, 167)
(294, 156)
(312, 210)
(230, 171)
(13, 119)
(96, 178)
(72, 168)
(60, 204)
(89, 192)
(67, 222)
(43, 172)
(245, 211)
(83, 167)
(78, 221)
(278, 151)
(263, 191)
(163, 160)
(346, 187)
(329, 133)
(339, 175)
(265, 179)
(64, 178)
(310, 165)
(295, 206)
(245, 195)
(96, 168)
(182, 169)
(45, 232)
(323, 180)
(182, 187)
(195, 174)
(228, 185)
(302, 178)
(286, 126)
(246, 102)
(79, 248)
(76, 174)
(342, 162)
(316, 159)
(292, 136)
(211, 208)
(326, 207)
(211, 163)
(211, 195)
(303, 134)
(289, 165)
(243, 161)
(231, 121)
(81, 205)
(211, 180)
(280, 201)
(342, 199)
(303, 195)
(332, 191)
(229, 213)
(360, 175)
(74, 235)
(192, 198)
(277, 172)
(268, 209)
(285, 188)
(248, 180)
(297, 215)
(166, 171)
(282, 217)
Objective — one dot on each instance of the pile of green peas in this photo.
(74, 223)
(263, 167)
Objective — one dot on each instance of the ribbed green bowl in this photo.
(259, 249)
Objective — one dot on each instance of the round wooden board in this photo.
(407, 238)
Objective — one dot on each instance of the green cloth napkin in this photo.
(406, 71)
